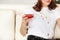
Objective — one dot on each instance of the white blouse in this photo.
(43, 22)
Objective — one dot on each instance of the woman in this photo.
(42, 25)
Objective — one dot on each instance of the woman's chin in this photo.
(47, 3)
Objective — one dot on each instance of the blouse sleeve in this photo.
(57, 13)
(27, 11)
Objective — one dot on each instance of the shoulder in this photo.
(57, 9)
(57, 12)
(28, 10)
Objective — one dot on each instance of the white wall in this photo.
(17, 1)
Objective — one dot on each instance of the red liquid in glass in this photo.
(29, 16)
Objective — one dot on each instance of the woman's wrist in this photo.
(24, 23)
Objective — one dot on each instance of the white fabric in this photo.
(39, 27)
(57, 13)
(6, 24)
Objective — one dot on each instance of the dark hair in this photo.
(38, 6)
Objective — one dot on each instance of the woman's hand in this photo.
(26, 18)
(25, 21)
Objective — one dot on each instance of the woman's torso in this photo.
(43, 23)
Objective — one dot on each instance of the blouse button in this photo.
(29, 27)
(48, 34)
(48, 22)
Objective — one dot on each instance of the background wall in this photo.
(17, 1)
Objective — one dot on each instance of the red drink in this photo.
(29, 16)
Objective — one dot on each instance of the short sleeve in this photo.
(27, 10)
(57, 13)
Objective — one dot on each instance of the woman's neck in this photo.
(44, 5)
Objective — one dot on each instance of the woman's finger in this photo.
(26, 18)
